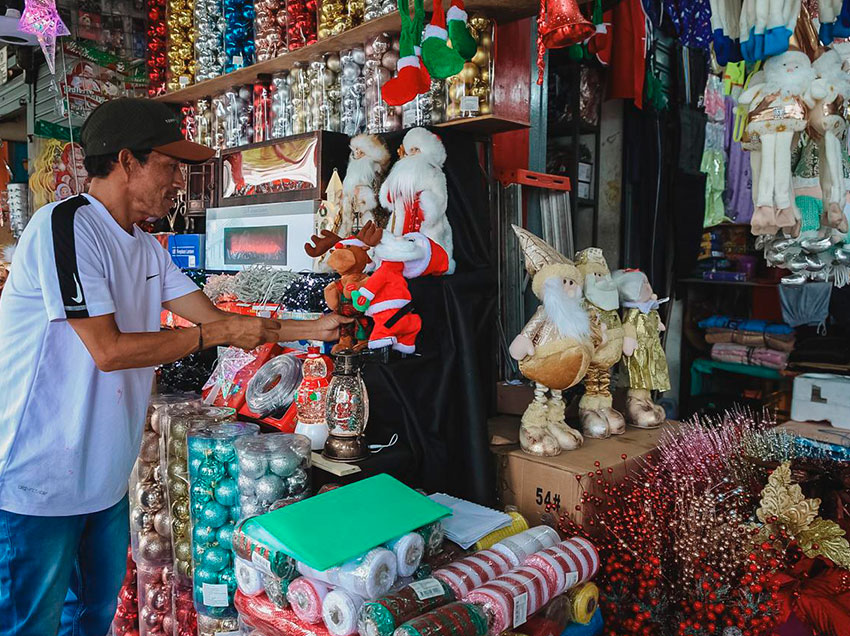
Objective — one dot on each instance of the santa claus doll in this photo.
(367, 165)
(415, 194)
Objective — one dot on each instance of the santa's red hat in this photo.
(352, 241)
(434, 262)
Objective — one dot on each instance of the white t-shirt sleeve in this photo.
(174, 282)
(72, 273)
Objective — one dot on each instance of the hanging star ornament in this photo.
(41, 19)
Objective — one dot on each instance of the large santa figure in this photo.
(415, 193)
(367, 165)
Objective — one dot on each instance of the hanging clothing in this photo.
(692, 19)
(628, 42)
(739, 178)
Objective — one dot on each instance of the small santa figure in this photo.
(416, 195)
(367, 165)
(385, 295)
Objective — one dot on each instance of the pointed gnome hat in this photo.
(538, 253)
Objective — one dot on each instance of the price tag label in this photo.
(237, 60)
(215, 594)
(427, 588)
(184, 80)
(571, 579)
(261, 563)
(520, 609)
(228, 633)
(469, 103)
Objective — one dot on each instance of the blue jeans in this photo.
(61, 572)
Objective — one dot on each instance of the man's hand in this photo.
(326, 328)
(245, 332)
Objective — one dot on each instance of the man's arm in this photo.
(113, 350)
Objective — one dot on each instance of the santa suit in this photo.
(387, 293)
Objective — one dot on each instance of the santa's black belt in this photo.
(401, 313)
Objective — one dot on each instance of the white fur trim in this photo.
(433, 31)
(410, 60)
(417, 50)
(365, 292)
(413, 269)
(456, 13)
(381, 342)
(353, 241)
(384, 305)
(403, 348)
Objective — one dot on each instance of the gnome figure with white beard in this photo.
(598, 417)
(415, 193)
(647, 363)
(367, 165)
(554, 349)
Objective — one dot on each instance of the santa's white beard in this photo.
(359, 172)
(565, 311)
(409, 175)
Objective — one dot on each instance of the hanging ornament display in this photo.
(382, 56)
(238, 34)
(282, 111)
(214, 510)
(204, 122)
(352, 85)
(269, 31)
(180, 19)
(324, 93)
(299, 86)
(376, 8)
(262, 109)
(300, 21)
(332, 18)
(559, 24)
(469, 93)
(41, 19)
(238, 121)
(155, 56)
(209, 41)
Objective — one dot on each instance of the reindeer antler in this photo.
(321, 244)
(370, 234)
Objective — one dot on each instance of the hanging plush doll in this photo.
(832, 21)
(554, 349)
(367, 165)
(601, 301)
(766, 27)
(726, 30)
(647, 363)
(828, 126)
(415, 193)
(777, 111)
(458, 26)
(412, 78)
(440, 59)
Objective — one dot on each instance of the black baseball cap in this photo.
(141, 125)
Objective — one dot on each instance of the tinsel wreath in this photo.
(711, 536)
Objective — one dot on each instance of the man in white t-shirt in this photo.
(79, 338)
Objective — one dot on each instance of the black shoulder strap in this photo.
(65, 256)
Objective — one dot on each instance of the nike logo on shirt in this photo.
(151, 276)
(79, 297)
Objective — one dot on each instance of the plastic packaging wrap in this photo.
(260, 613)
(511, 598)
(434, 536)
(238, 121)
(352, 85)
(376, 8)
(567, 563)
(382, 616)
(409, 550)
(475, 570)
(324, 92)
(183, 606)
(521, 546)
(518, 524)
(300, 19)
(299, 87)
(381, 62)
(209, 40)
(214, 508)
(154, 590)
(269, 33)
(262, 109)
(180, 54)
(213, 626)
(370, 575)
(271, 468)
(267, 557)
(276, 590)
(174, 422)
(454, 619)
(238, 34)
(306, 597)
(339, 612)
(282, 112)
(249, 580)
(126, 619)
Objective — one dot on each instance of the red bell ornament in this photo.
(560, 24)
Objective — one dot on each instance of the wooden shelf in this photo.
(501, 10)
(485, 125)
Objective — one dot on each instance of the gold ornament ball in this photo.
(481, 57)
(453, 111)
(485, 75)
(469, 73)
(486, 41)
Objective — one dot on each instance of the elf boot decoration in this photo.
(441, 60)
(458, 26)
(408, 83)
(418, 27)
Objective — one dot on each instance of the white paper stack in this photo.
(469, 521)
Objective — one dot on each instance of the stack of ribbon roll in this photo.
(518, 593)
(382, 616)
(566, 564)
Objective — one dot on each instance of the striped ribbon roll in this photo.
(521, 546)
(454, 619)
(382, 616)
(570, 562)
(500, 596)
(518, 524)
(306, 596)
(475, 570)
(340, 610)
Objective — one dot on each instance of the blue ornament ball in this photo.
(226, 492)
(233, 468)
(211, 471)
(195, 465)
(223, 450)
(198, 508)
(201, 492)
(224, 536)
(214, 514)
(228, 578)
(203, 535)
(216, 559)
(284, 464)
(204, 575)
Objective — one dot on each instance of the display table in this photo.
(531, 483)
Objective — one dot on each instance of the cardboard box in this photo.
(530, 483)
(187, 250)
(822, 397)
